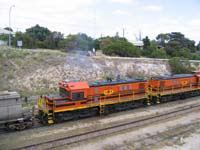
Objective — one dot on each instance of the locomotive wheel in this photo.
(44, 120)
(183, 96)
(28, 124)
(18, 126)
(10, 127)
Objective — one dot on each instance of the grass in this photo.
(12, 53)
(17, 63)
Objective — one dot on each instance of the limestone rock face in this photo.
(78, 67)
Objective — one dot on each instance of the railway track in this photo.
(100, 132)
(161, 137)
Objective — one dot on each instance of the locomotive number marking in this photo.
(108, 92)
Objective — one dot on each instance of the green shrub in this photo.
(121, 47)
(179, 66)
(195, 57)
(159, 53)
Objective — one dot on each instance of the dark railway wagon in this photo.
(11, 113)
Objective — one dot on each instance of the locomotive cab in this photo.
(74, 90)
(72, 96)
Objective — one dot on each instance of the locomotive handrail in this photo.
(54, 105)
(172, 88)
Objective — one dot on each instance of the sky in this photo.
(105, 17)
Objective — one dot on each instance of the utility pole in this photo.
(10, 25)
(123, 31)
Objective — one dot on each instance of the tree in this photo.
(159, 53)
(38, 32)
(162, 39)
(183, 53)
(97, 44)
(28, 41)
(53, 39)
(105, 41)
(116, 46)
(84, 42)
(195, 57)
(4, 37)
(172, 46)
(146, 42)
(198, 46)
(57, 36)
(176, 36)
(176, 43)
(80, 41)
(149, 48)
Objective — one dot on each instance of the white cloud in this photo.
(154, 8)
(168, 25)
(121, 12)
(195, 23)
(60, 16)
(122, 1)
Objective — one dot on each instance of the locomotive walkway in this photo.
(109, 130)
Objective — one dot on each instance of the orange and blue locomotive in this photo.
(83, 99)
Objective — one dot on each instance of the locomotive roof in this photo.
(54, 96)
(77, 85)
(174, 76)
(114, 82)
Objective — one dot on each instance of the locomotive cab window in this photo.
(78, 96)
(64, 91)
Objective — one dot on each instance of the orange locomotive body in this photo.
(82, 99)
(178, 86)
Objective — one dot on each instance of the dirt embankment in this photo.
(39, 71)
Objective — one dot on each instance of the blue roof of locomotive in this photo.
(174, 76)
(114, 82)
